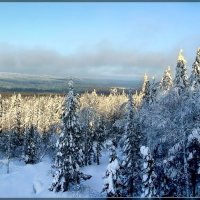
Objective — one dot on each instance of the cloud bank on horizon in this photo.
(101, 63)
(96, 40)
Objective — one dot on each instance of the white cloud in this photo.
(102, 62)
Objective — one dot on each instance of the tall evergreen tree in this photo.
(195, 74)
(18, 130)
(146, 90)
(153, 91)
(88, 132)
(193, 159)
(1, 114)
(166, 81)
(149, 176)
(174, 171)
(181, 79)
(67, 158)
(16, 135)
(100, 138)
(30, 146)
(112, 182)
(132, 151)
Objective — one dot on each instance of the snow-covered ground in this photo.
(34, 180)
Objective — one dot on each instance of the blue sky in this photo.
(98, 40)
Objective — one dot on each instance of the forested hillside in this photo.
(32, 84)
(152, 136)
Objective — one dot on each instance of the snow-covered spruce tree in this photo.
(88, 119)
(174, 171)
(193, 159)
(87, 122)
(181, 79)
(88, 150)
(166, 81)
(162, 182)
(137, 98)
(30, 146)
(100, 138)
(149, 176)
(115, 103)
(15, 124)
(48, 142)
(153, 91)
(18, 129)
(73, 101)
(3, 135)
(112, 182)
(1, 113)
(66, 163)
(182, 165)
(119, 128)
(144, 83)
(146, 90)
(132, 151)
(195, 74)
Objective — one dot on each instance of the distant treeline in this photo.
(40, 92)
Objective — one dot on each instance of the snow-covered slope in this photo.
(34, 180)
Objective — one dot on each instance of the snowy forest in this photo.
(151, 137)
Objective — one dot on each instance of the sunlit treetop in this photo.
(181, 57)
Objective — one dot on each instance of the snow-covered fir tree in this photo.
(88, 128)
(89, 144)
(149, 175)
(67, 158)
(146, 90)
(18, 129)
(174, 172)
(30, 145)
(1, 113)
(112, 183)
(100, 138)
(166, 81)
(15, 130)
(137, 99)
(153, 91)
(181, 79)
(195, 74)
(132, 150)
(48, 142)
(71, 108)
(193, 159)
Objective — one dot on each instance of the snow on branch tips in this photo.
(181, 57)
